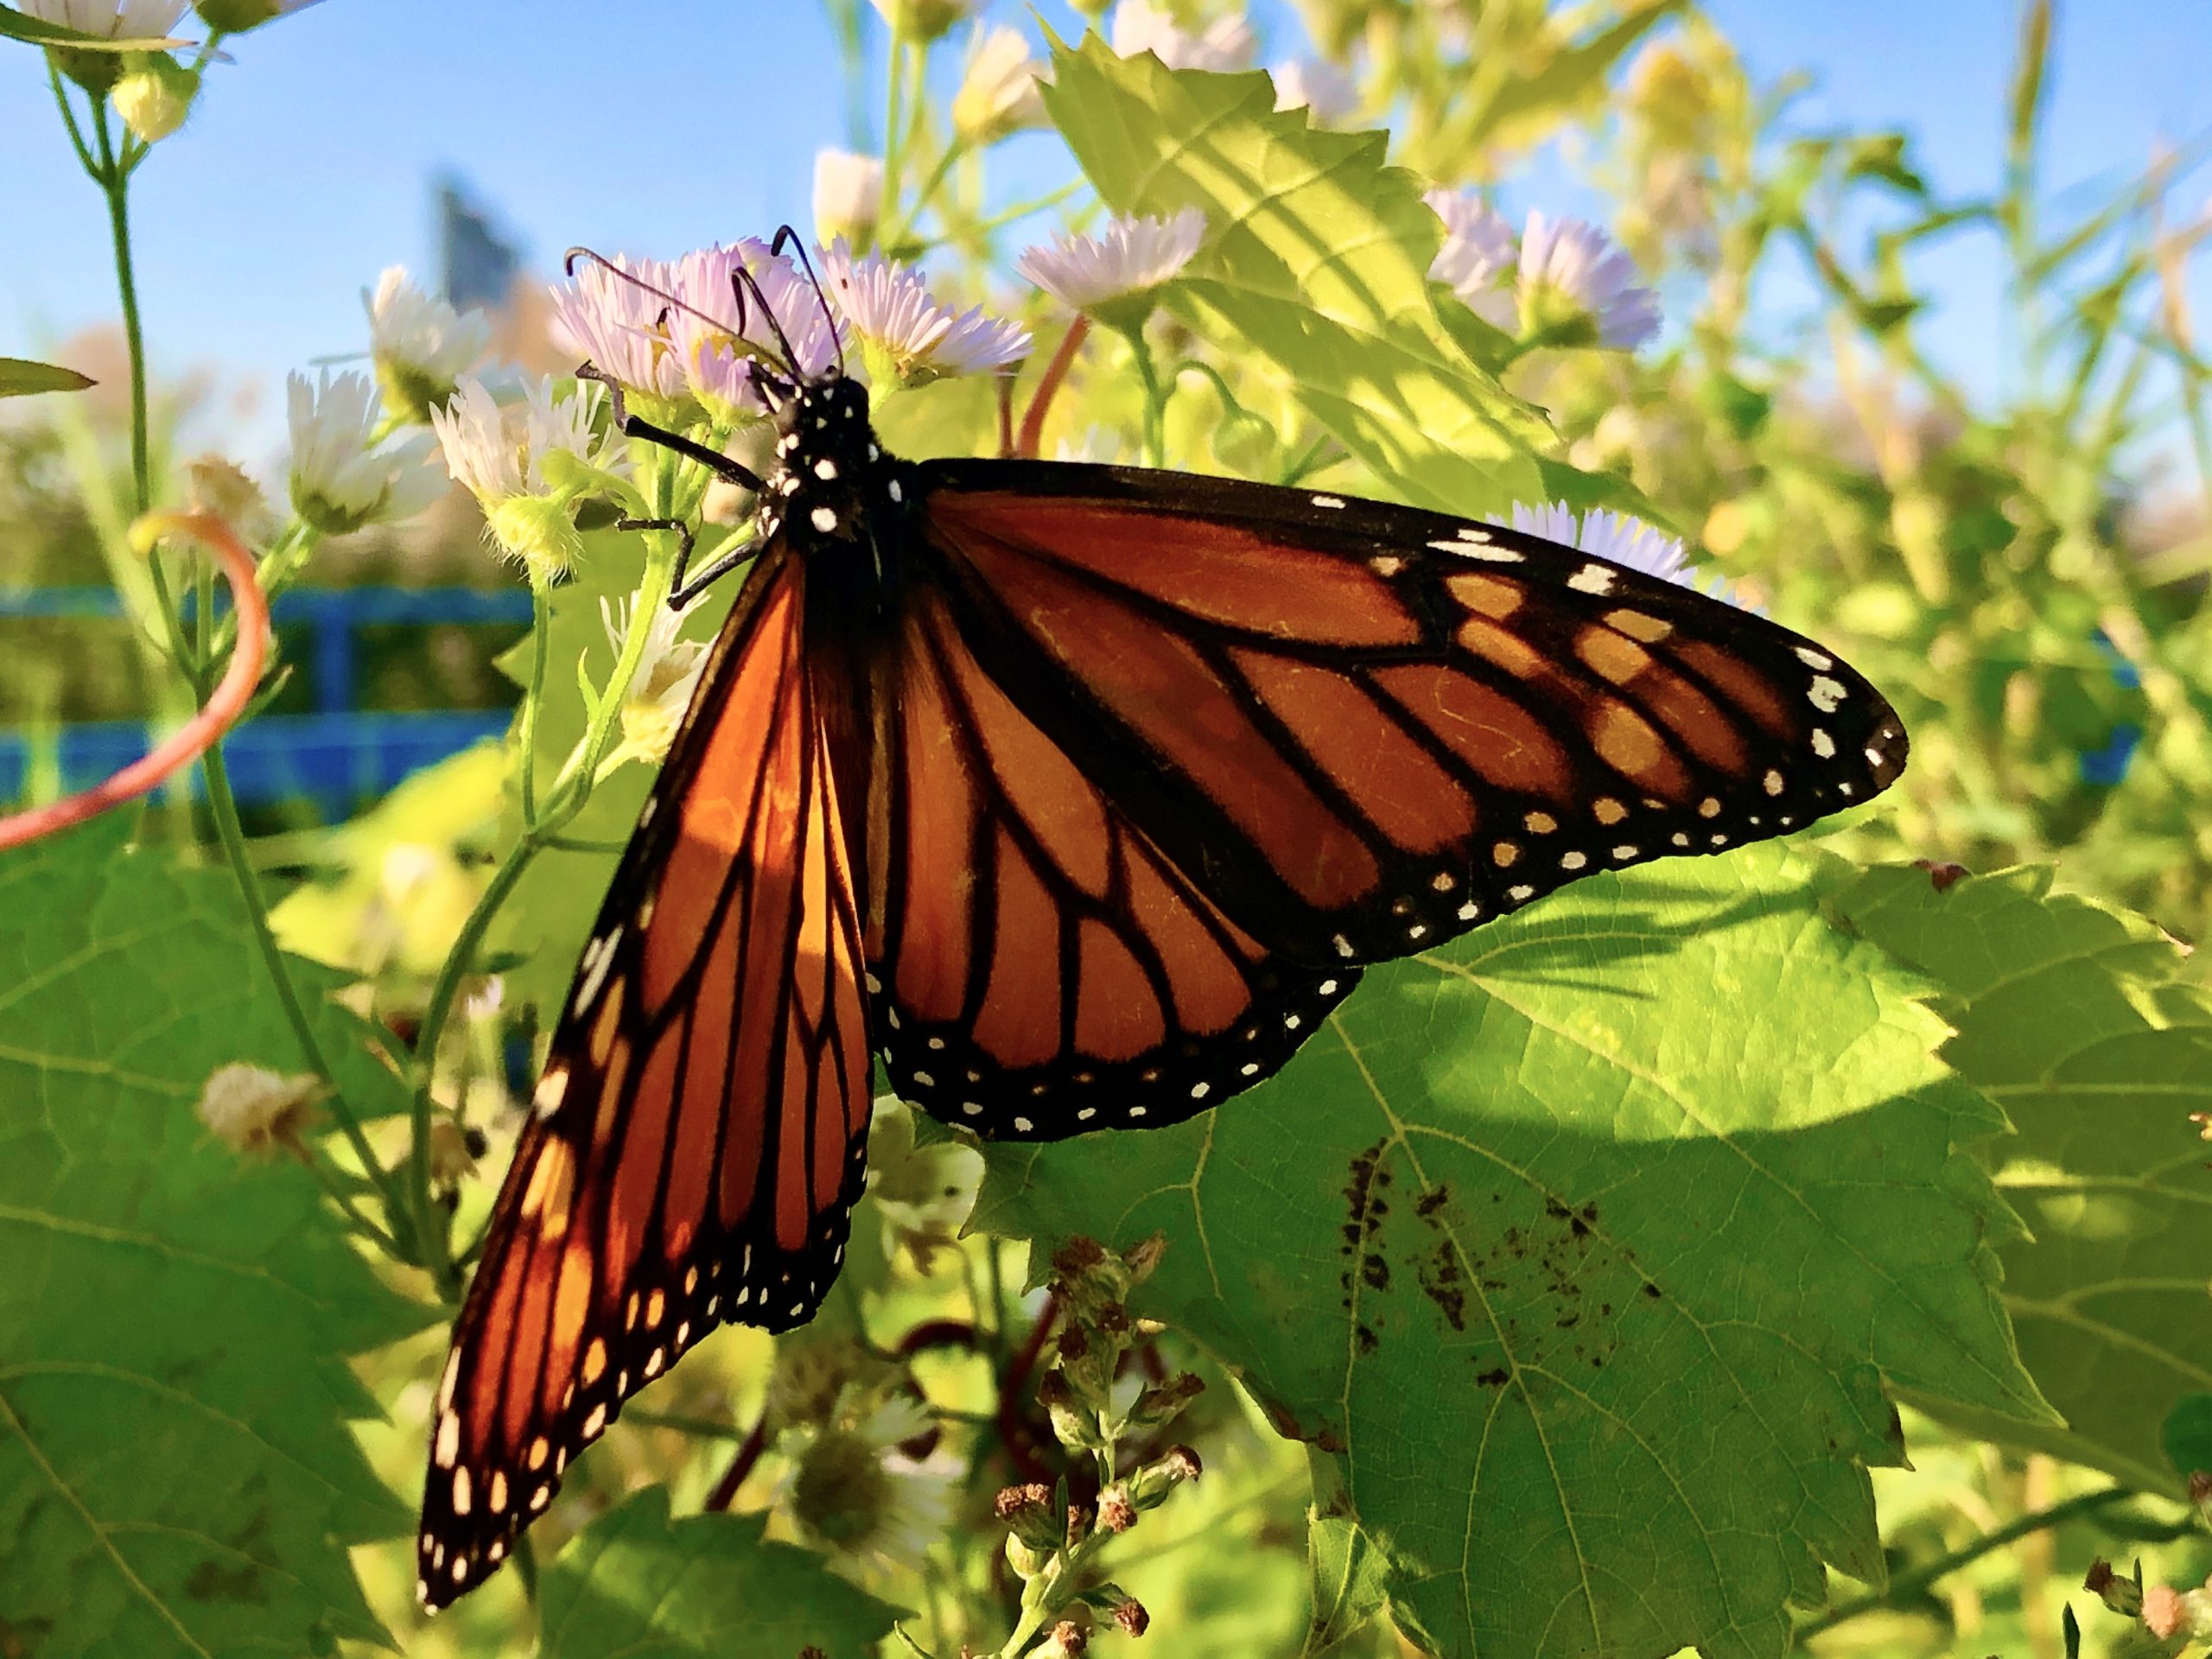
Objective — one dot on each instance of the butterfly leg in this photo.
(635, 426)
(683, 587)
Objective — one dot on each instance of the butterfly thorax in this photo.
(834, 494)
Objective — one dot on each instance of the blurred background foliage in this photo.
(2023, 570)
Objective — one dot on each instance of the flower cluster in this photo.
(1561, 281)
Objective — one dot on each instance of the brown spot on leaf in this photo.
(1495, 1377)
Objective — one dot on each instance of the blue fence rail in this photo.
(338, 755)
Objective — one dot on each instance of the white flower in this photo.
(923, 1193)
(998, 93)
(251, 1108)
(1477, 254)
(116, 19)
(1140, 26)
(660, 691)
(341, 477)
(1099, 444)
(527, 465)
(1133, 258)
(848, 194)
(1566, 260)
(911, 334)
(422, 345)
(1318, 86)
(613, 319)
(1609, 535)
(853, 1491)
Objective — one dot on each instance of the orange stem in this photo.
(1033, 423)
(205, 728)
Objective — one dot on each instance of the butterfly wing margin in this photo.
(698, 1137)
(1361, 729)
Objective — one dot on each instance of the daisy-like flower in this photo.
(1116, 276)
(613, 321)
(527, 466)
(848, 194)
(1479, 254)
(1317, 85)
(236, 17)
(1573, 275)
(923, 1193)
(905, 334)
(998, 94)
(716, 360)
(660, 691)
(853, 1491)
(1623, 539)
(341, 476)
(115, 20)
(251, 1108)
(1140, 26)
(422, 345)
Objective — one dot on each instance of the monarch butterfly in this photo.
(1082, 794)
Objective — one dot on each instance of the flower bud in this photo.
(998, 94)
(1158, 1405)
(1149, 1486)
(2123, 1596)
(218, 485)
(1068, 1640)
(539, 530)
(848, 195)
(252, 1109)
(454, 1152)
(1116, 1512)
(1129, 1613)
(923, 20)
(153, 94)
(1031, 1512)
(236, 17)
(1073, 1425)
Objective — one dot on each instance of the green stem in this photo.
(223, 807)
(1155, 399)
(69, 120)
(540, 630)
(894, 122)
(900, 222)
(1903, 1588)
(115, 182)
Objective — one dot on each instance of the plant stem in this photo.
(115, 182)
(1155, 400)
(223, 807)
(1903, 1588)
(541, 629)
(1056, 372)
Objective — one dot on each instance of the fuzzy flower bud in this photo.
(1116, 1511)
(1149, 1486)
(1128, 1613)
(153, 94)
(527, 467)
(923, 20)
(252, 1109)
(1068, 1640)
(236, 17)
(1073, 1425)
(848, 195)
(2123, 1596)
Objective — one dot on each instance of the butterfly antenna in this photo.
(837, 335)
(569, 261)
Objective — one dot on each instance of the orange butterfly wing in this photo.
(698, 1135)
(1360, 729)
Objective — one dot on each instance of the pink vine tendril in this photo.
(222, 710)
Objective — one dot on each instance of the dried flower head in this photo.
(251, 1108)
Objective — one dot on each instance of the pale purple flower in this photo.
(616, 323)
(1317, 85)
(1132, 257)
(1140, 26)
(1578, 262)
(716, 356)
(1477, 254)
(889, 307)
(1608, 535)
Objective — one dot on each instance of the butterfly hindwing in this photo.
(1042, 968)
(1360, 728)
(697, 1136)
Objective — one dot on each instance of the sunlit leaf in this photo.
(1586, 1245)
(20, 378)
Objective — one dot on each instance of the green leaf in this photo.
(1316, 263)
(1586, 1244)
(19, 378)
(20, 26)
(176, 1471)
(1351, 1571)
(2074, 1017)
(2186, 1435)
(639, 1584)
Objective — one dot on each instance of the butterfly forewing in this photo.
(1359, 729)
(697, 1136)
(1043, 967)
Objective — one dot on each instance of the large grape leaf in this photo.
(1586, 1245)
(1316, 262)
(176, 1472)
(2074, 1017)
(639, 1584)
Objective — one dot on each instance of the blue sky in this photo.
(306, 167)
